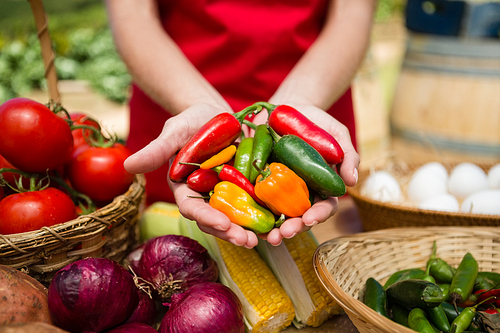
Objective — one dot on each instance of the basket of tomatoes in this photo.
(64, 192)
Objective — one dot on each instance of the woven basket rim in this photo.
(82, 226)
(355, 307)
(355, 192)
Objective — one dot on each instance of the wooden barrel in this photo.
(448, 94)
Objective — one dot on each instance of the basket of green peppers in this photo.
(433, 279)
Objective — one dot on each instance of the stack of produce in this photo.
(440, 298)
(54, 166)
(268, 177)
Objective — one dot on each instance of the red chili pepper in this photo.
(284, 119)
(494, 294)
(233, 175)
(492, 311)
(202, 180)
(218, 133)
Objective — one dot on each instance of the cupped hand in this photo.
(348, 171)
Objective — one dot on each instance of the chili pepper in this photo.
(415, 293)
(450, 311)
(241, 208)
(262, 147)
(418, 321)
(445, 288)
(282, 190)
(405, 274)
(231, 174)
(243, 157)
(375, 297)
(438, 317)
(285, 120)
(463, 281)
(439, 268)
(493, 295)
(224, 156)
(218, 133)
(486, 280)
(400, 314)
(202, 181)
(463, 320)
(308, 164)
(495, 311)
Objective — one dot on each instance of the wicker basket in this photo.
(377, 215)
(344, 264)
(109, 232)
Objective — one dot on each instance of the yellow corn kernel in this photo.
(266, 306)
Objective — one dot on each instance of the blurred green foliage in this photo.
(83, 45)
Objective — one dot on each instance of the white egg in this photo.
(467, 178)
(428, 181)
(382, 186)
(494, 176)
(444, 203)
(483, 202)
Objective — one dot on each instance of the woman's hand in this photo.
(348, 171)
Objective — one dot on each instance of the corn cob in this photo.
(266, 306)
(292, 264)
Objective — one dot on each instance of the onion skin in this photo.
(22, 298)
(133, 328)
(172, 263)
(145, 312)
(91, 295)
(207, 307)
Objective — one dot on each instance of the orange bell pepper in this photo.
(282, 190)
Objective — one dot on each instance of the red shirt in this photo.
(244, 49)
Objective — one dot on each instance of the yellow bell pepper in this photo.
(282, 190)
(241, 208)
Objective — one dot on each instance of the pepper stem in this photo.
(280, 221)
(250, 124)
(240, 115)
(276, 136)
(264, 172)
(188, 163)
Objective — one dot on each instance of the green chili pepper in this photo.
(262, 148)
(375, 297)
(486, 280)
(438, 317)
(463, 281)
(306, 162)
(243, 157)
(450, 311)
(418, 321)
(445, 288)
(463, 320)
(439, 268)
(405, 274)
(415, 293)
(400, 314)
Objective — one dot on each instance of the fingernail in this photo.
(355, 174)
(233, 241)
(293, 235)
(313, 223)
(219, 227)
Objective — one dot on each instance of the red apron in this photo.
(244, 49)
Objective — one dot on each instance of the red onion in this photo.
(91, 295)
(171, 264)
(133, 328)
(207, 307)
(133, 259)
(145, 312)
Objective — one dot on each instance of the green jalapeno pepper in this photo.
(306, 162)
(262, 148)
(243, 157)
(405, 274)
(415, 293)
(450, 311)
(464, 320)
(463, 281)
(400, 314)
(375, 297)
(439, 268)
(486, 280)
(445, 288)
(438, 317)
(417, 321)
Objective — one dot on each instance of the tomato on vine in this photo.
(28, 211)
(79, 134)
(32, 137)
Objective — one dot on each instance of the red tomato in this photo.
(98, 172)
(32, 137)
(81, 119)
(28, 211)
